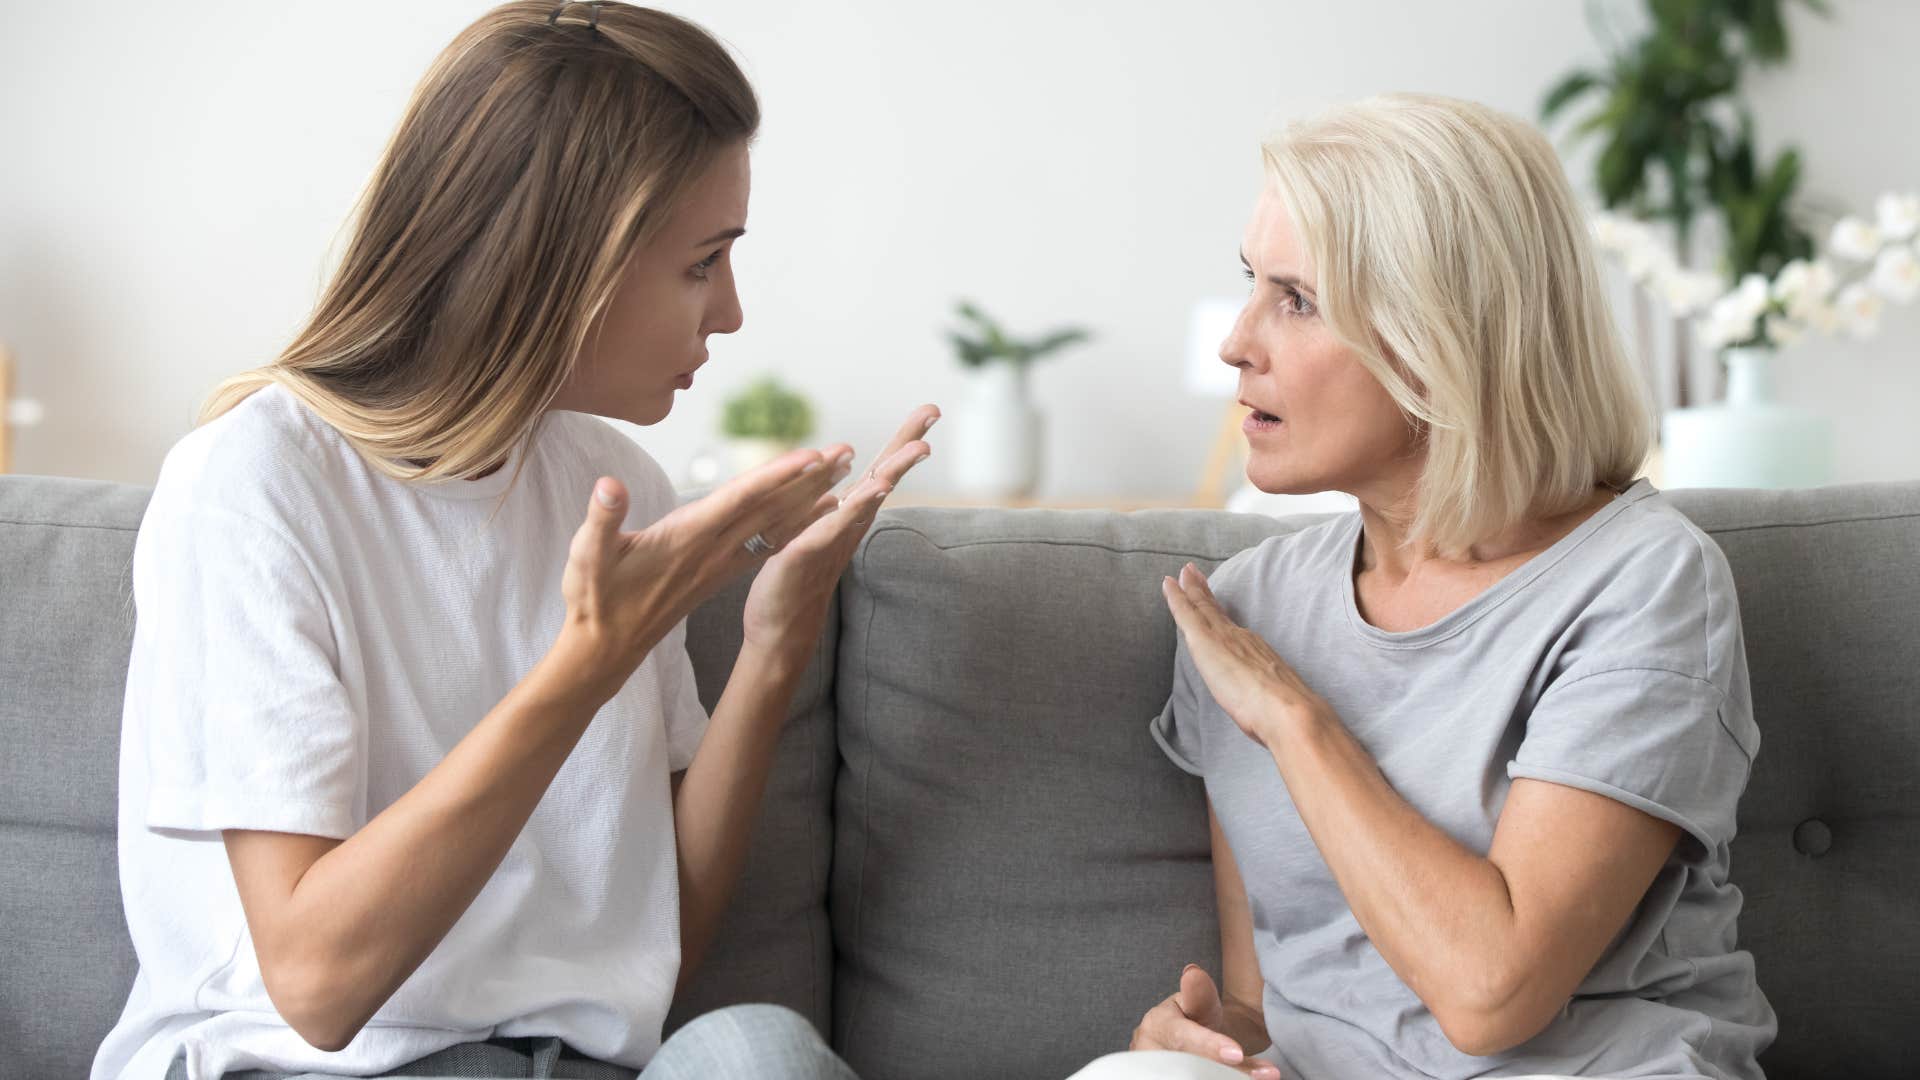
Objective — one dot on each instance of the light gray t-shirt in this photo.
(1611, 662)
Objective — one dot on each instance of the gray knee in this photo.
(749, 1041)
(760, 1023)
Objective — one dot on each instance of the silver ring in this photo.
(758, 545)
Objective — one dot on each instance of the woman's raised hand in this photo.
(626, 590)
(1193, 1021)
(787, 607)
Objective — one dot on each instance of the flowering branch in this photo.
(1871, 263)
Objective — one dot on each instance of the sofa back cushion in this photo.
(775, 944)
(1828, 853)
(66, 623)
(1019, 873)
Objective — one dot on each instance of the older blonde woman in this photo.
(1472, 752)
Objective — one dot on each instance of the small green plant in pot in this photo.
(986, 342)
(762, 421)
(997, 435)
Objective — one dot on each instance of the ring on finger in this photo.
(758, 545)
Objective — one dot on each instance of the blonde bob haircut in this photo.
(1453, 259)
(543, 146)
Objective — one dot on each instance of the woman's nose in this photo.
(1237, 350)
(727, 316)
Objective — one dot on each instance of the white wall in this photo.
(174, 176)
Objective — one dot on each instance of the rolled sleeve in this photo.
(1178, 727)
(247, 723)
(1653, 739)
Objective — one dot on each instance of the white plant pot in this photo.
(746, 455)
(1749, 440)
(996, 434)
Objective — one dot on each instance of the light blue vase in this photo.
(1748, 441)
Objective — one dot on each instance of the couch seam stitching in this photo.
(69, 525)
(866, 799)
(1186, 553)
(813, 943)
(1758, 526)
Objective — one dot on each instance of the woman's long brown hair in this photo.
(543, 146)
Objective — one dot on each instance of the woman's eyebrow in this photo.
(1287, 280)
(724, 234)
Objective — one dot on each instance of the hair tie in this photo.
(593, 14)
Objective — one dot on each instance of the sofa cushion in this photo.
(1828, 853)
(66, 623)
(775, 944)
(1018, 871)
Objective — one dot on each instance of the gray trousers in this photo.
(735, 1043)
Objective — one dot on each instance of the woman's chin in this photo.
(1275, 482)
(649, 412)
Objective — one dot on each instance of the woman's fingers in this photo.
(738, 499)
(1176, 1032)
(1198, 999)
(783, 515)
(798, 531)
(887, 473)
(606, 513)
(919, 422)
(1185, 614)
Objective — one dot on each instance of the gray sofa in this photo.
(973, 861)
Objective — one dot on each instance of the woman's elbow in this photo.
(311, 1001)
(1491, 1018)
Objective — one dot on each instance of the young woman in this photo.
(414, 774)
(1472, 752)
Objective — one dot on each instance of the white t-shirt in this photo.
(312, 637)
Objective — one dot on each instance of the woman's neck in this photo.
(1387, 518)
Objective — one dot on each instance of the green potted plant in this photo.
(1676, 143)
(997, 433)
(1676, 148)
(762, 421)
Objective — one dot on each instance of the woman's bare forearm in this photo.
(1438, 913)
(337, 936)
(717, 800)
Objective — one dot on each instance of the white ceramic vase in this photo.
(996, 434)
(1749, 440)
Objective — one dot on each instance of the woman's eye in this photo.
(1297, 302)
(700, 268)
(1247, 272)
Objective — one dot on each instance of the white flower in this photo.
(1730, 321)
(1854, 239)
(1822, 316)
(1606, 232)
(1618, 234)
(1896, 275)
(1899, 215)
(1800, 286)
(1689, 291)
(1751, 298)
(1782, 331)
(1648, 261)
(1860, 309)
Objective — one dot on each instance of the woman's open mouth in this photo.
(1260, 423)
